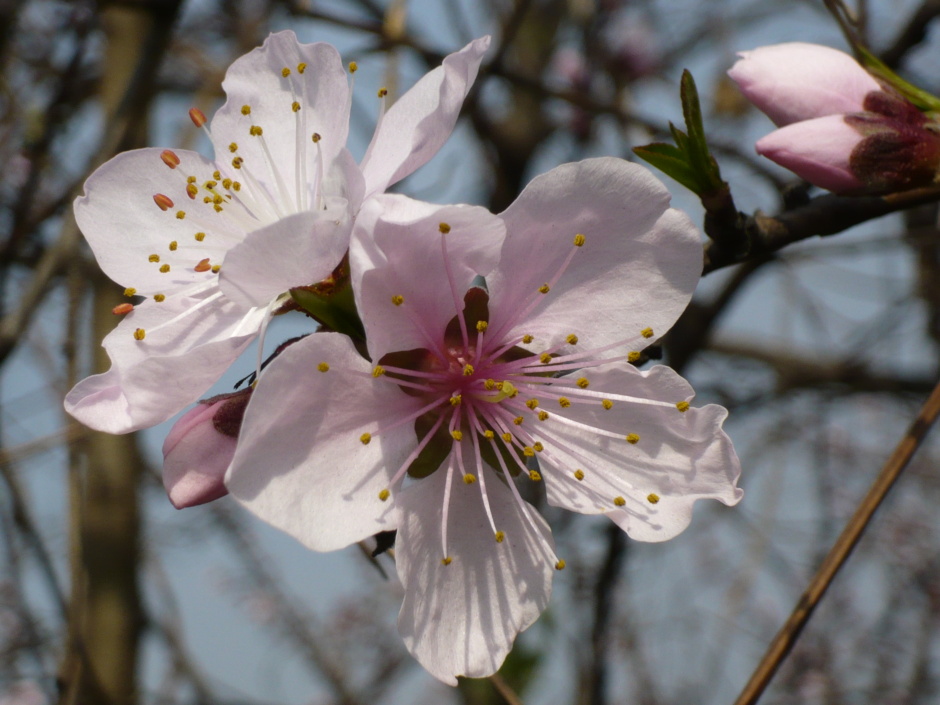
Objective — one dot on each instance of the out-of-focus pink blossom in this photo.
(798, 81)
(199, 449)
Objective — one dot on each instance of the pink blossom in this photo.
(477, 385)
(799, 81)
(214, 245)
(198, 449)
(817, 150)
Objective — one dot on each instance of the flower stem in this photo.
(839, 553)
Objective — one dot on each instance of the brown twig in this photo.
(839, 553)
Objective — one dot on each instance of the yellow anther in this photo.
(489, 435)
(398, 299)
(378, 371)
(534, 475)
(217, 208)
(652, 498)
(315, 137)
(578, 240)
(173, 245)
(122, 309)
(447, 560)
(467, 370)
(190, 179)
(154, 258)
(456, 434)
(301, 67)
(532, 403)
(255, 131)
(192, 191)
(579, 475)
(164, 268)
(507, 437)
(285, 72)
(207, 199)
(353, 67)
(382, 92)
(572, 339)
(538, 447)
(469, 478)
(633, 356)
(489, 385)
(647, 332)
(140, 334)
(528, 452)
(560, 565)
(217, 199)
(683, 406)
(237, 163)
(246, 110)
(197, 116)
(384, 494)
(444, 228)
(619, 501)
(236, 186)
(564, 402)
(162, 201)
(159, 298)
(130, 291)
(365, 438)
(200, 237)
(216, 268)
(482, 326)
(543, 415)
(518, 420)
(545, 358)
(500, 537)
(456, 399)
(216, 175)
(583, 382)
(233, 147)
(526, 339)
(632, 438)
(295, 106)
(324, 367)
(180, 215)
(226, 183)
(544, 289)
(210, 184)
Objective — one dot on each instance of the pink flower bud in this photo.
(199, 448)
(798, 81)
(817, 150)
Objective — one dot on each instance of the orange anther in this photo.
(192, 190)
(197, 116)
(169, 158)
(121, 309)
(203, 265)
(164, 202)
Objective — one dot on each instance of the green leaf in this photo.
(918, 96)
(672, 164)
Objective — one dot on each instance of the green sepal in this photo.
(335, 311)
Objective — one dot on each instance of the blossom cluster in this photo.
(460, 355)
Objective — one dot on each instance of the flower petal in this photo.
(256, 80)
(132, 237)
(637, 269)
(301, 464)
(299, 250)
(398, 250)
(418, 123)
(647, 486)
(816, 150)
(799, 81)
(152, 379)
(461, 618)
